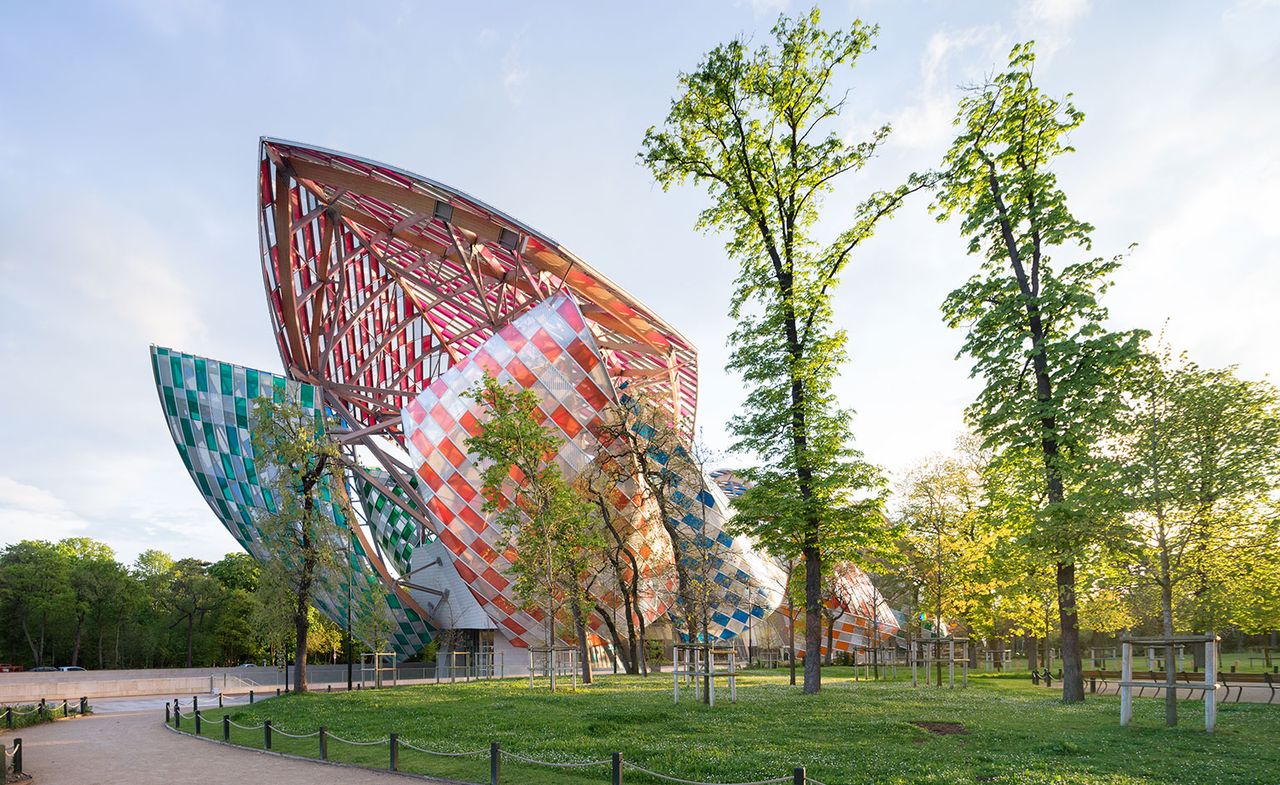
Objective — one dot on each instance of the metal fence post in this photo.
(219, 700)
(250, 697)
(324, 743)
(615, 776)
(266, 734)
(177, 714)
(197, 713)
(65, 711)
(166, 713)
(797, 776)
(395, 752)
(226, 727)
(495, 762)
(17, 756)
(84, 704)
(195, 705)
(44, 710)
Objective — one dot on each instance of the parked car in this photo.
(45, 669)
(70, 668)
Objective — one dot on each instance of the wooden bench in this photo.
(1242, 680)
(1157, 679)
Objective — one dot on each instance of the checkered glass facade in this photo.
(551, 351)
(208, 406)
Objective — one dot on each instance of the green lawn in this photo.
(851, 733)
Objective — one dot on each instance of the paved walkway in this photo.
(125, 741)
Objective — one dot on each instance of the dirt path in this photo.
(125, 741)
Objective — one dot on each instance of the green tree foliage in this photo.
(1201, 453)
(71, 603)
(1035, 324)
(947, 541)
(190, 597)
(757, 128)
(97, 585)
(33, 588)
(301, 528)
(547, 522)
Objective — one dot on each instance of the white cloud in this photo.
(1059, 13)
(31, 513)
(514, 74)
(1049, 23)
(768, 7)
(926, 122)
(172, 18)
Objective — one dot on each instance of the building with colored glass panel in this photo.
(390, 296)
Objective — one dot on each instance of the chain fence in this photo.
(616, 764)
(22, 715)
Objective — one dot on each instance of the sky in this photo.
(128, 146)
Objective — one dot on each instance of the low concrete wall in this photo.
(28, 687)
(56, 689)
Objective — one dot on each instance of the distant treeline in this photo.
(72, 603)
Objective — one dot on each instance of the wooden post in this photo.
(495, 762)
(798, 776)
(266, 734)
(1126, 690)
(395, 752)
(226, 727)
(324, 743)
(1210, 680)
(17, 756)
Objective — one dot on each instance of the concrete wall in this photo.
(28, 687)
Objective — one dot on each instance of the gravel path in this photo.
(124, 741)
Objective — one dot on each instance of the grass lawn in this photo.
(850, 733)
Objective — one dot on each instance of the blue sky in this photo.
(128, 138)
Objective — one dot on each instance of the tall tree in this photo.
(34, 593)
(308, 492)
(91, 574)
(1035, 326)
(190, 596)
(1201, 449)
(642, 445)
(546, 520)
(758, 128)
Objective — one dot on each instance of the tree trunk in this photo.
(75, 646)
(831, 635)
(625, 650)
(791, 628)
(584, 653)
(812, 620)
(302, 630)
(1033, 647)
(1072, 673)
(1170, 666)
